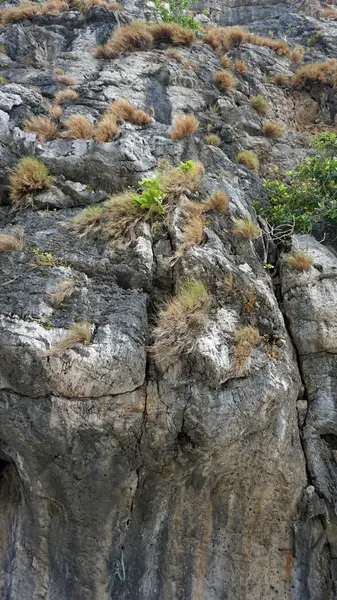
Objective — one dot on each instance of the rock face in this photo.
(122, 477)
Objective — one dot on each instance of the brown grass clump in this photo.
(246, 228)
(184, 126)
(280, 47)
(212, 139)
(297, 55)
(225, 38)
(245, 339)
(328, 12)
(181, 322)
(128, 112)
(240, 67)
(321, 72)
(29, 176)
(64, 80)
(78, 128)
(63, 290)
(55, 111)
(225, 80)
(272, 129)
(80, 333)
(300, 260)
(248, 159)
(44, 127)
(176, 181)
(12, 242)
(129, 38)
(281, 79)
(12, 14)
(86, 4)
(259, 103)
(122, 218)
(89, 221)
(226, 61)
(107, 128)
(54, 7)
(65, 96)
(172, 33)
(217, 201)
(173, 53)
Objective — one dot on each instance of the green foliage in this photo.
(309, 193)
(174, 11)
(47, 259)
(187, 166)
(152, 195)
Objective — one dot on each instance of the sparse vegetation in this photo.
(299, 260)
(175, 11)
(64, 80)
(297, 55)
(272, 129)
(248, 159)
(12, 242)
(240, 67)
(173, 53)
(107, 128)
(245, 339)
(281, 79)
(89, 221)
(64, 96)
(226, 61)
(212, 140)
(171, 33)
(43, 127)
(184, 126)
(3, 80)
(29, 10)
(86, 4)
(260, 103)
(122, 217)
(63, 290)
(47, 259)
(181, 322)
(79, 333)
(152, 196)
(29, 177)
(78, 127)
(55, 111)
(225, 80)
(217, 201)
(180, 180)
(123, 109)
(2, 49)
(226, 38)
(246, 228)
(320, 72)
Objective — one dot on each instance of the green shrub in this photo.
(152, 195)
(174, 11)
(308, 195)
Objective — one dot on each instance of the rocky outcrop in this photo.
(126, 478)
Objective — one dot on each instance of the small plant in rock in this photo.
(184, 179)
(55, 111)
(63, 290)
(123, 215)
(184, 126)
(64, 96)
(152, 195)
(171, 33)
(240, 67)
(245, 339)
(12, 242)
(281, 79)
(29, 177)
(64, 80)
(2, 49)
(79, 333)
(77, 128)
(43, 127)
(212, 140)
(260, 103)
(192, 230)
(217, 201)
(226, 61)
(297, 55)
(272, 129)
(320, 72)
(246, 228)
(175, 11)
(47, 259)
(248, 159)
(107, 128)
(181, 322)
(123, 109)
(88, 221)
(225, 80)
(173, 53)
(129, 38)
(299, 260)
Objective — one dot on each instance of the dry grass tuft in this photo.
(86, 4)
(64, 80)
(43, 127)
(54, 7)
(80, 333)
(259, 103)
(212, 140)
(172, 33)
(29, 176)
(173, 53)
(226, 61)
(181, 322)
(128, 112)
(107, 128)
(89, 221)
(184, 126)
(65, 96)
(226, 38)
(175, 181)
(245, 339)
(122, 218)
(225, 80)
(63, 290)
(217, 201)
(130, 38)
(240, 67)
(29, 10)
(320, 72)
(297, 55)
(246, 228)
(281, 79)
(55, 111)
(78, 128)
(300, 260)
(12, 242)
(272, 129)
(249, 160)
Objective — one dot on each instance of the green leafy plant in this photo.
(187, 166)
(152, 195)
(308, 195)
(174, 11)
